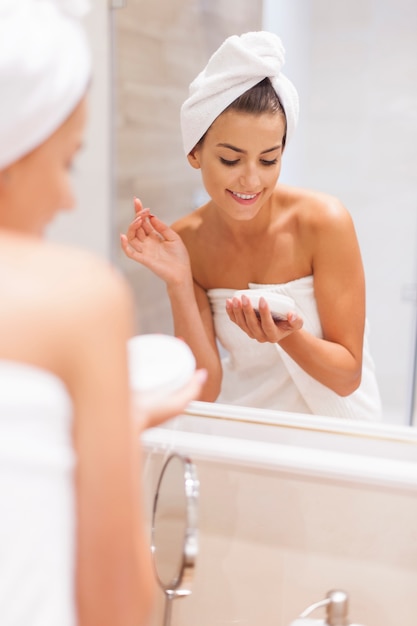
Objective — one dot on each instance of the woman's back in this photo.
(57, 404)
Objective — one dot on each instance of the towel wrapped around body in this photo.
(265, 376)
(37, 524)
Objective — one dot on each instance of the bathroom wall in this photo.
(91, 223)
(275, 539)
(160, 48)
(270, 546)
(355, 66)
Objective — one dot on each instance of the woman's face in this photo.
(37, 186)
(240, 161)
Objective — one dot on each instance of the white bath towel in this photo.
(240, 63)
(263, 375)
(45, 68)
(38, 514)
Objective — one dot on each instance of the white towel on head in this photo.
(45, 68)
(241, 62)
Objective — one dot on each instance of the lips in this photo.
(244, 198)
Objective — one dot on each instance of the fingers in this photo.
(259, 324)
(146, 224)
(234, 308)
(242, 313)
(140, 228)
(134, 227)
(165, 408)
(149, 223)
(147, 230)
(138, 206)
(130, 251)
(295, 321)
(256, 319)
(162, 229)
(191, 391)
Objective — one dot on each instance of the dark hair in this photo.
(262, 98)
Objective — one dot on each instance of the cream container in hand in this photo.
(159, 365)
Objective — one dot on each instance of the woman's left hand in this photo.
(264, 329)
(153, 411)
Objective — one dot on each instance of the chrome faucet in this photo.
(337, 608)
(337, 611)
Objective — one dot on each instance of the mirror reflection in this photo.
(340, 145)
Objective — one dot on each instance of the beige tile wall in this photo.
(355, 66)
(160, 47)
(271, 544)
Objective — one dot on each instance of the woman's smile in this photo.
(240, 161)
(244, 198)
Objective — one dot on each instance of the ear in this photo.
(193, 159)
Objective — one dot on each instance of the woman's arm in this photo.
(193, 322)
(159, 248)
(339, 285)
(114, 576)
(335, 360)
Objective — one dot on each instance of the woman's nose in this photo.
(249, 179)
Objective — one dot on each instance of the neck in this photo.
(242, 231)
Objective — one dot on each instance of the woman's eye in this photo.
(227, 162)
(266, 162)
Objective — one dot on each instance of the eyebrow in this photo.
(228, 145)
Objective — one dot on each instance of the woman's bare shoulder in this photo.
(314, 208)
(49, 289)
(54, 268)
(62, 307)
(318, 199)
(194, 228)
(190, 223)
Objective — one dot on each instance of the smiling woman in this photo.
(243, 170)
(353, 91)
(255, 232)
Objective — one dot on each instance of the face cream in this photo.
(159, 364)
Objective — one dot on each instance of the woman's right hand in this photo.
(153, 411)
(155, 245)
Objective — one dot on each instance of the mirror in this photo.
(174, 541)
(354, 66)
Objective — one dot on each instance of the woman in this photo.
(72, 534)
(257, 233)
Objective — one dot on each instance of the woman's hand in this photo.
(156, 246)
(263, 329)
(153, 411)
